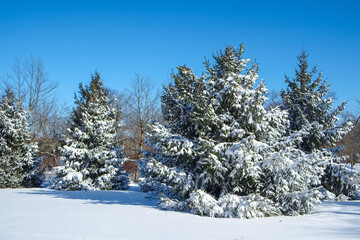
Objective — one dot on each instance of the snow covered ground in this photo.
(44, 214)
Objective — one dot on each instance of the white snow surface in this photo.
(45, 214)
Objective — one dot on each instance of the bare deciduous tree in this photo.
(274, 99)
(357, 106)
(143, 102)
(29, 80)
(351, 143)
(36, 92)
(353, 113)
(121, 102)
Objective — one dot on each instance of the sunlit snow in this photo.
(44, 214)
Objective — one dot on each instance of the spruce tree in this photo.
(92, 159)
(310, 109)
(309, 106)
(19, 166)
(221, 153)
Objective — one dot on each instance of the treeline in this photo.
(216, 148)
(138, 106)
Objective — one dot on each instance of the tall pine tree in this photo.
(19, 166)
(221, 153)
(309, 106)
(92, 159)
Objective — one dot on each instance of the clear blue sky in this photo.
(120, 38)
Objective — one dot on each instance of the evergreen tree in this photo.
(19, 165)
(306, 99)
(310, 108)
(92, 159)
(221, 153)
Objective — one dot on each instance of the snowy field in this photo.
(44, 214)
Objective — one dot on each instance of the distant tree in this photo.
(351, 141)
(120, 102)
(34, 90)
(351, 144)
(19, 165)
(357, 106)
(274, 99)
(143, 109)
(347, 116)
(92, 159)
(306, 99)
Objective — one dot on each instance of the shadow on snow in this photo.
(330, 205)
(133, 196)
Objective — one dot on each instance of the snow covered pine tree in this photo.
(221, 153)
(19, 166)
(92, 159)
(309, 106)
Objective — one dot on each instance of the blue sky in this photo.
(121, 38)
